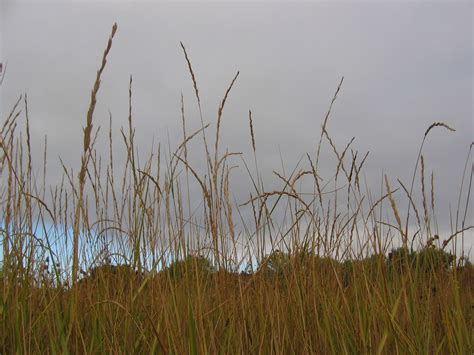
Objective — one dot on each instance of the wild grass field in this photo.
(117, 262)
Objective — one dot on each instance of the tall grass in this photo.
(331, 271)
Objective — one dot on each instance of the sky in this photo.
(405, 65)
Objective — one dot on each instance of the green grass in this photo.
(323, 276)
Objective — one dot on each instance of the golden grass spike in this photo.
(219, 118)
(316, 181)
(411, 202)
(425, 206)
(432, 192)
(193, 77)
(196, 91)
(438, 124)
(183, 122)
(10, 115)
(82, 172)
(323, 127)
(451, 237)
(332, 103)
(358, 169)
(251, 131)
(28, 138)
(395, 212)
(433, 125)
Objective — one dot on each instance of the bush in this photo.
(112, 278)
(429, 258)
(178, 269)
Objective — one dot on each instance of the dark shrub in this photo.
(189, 266)
(425, 260)
(112, 278)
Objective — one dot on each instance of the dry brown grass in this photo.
(160, 276)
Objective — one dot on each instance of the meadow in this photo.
(119, 261)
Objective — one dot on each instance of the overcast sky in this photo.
(405, 64)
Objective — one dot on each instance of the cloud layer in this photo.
(405, 65)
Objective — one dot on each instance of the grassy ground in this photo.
(170, 281)
(320, 306)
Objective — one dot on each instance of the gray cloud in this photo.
(406, 65)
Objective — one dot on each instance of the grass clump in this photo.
(121, 262)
